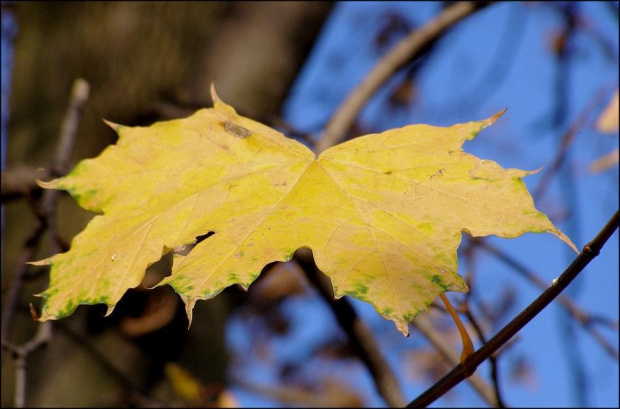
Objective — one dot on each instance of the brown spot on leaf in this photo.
(236, 130)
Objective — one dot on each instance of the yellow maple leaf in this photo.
(382, 213)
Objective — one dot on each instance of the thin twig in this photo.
(492, 359)
(68, 131)
(402, 52)
(425, 326)
(13, 295)
(360, 336)
(468, 256)
(20, 353)
(46, 214)
(567, 140)
(585, 319)
(47, 209)
(461, 371)
(68, 134)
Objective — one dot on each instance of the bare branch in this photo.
(47, 210)
(492, 359)
(454, 377)
(425, 326)
(567, 140)
(68, 132)
(13, 295)
(20, 181)
(46, 213)
(402, 52)
(20, 353)
(584, 318)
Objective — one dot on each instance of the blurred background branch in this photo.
(404, 51)
(462, 371)
(46, 208)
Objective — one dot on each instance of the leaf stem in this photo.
(423, 324)
(454, 377)
(492, 359)
(468, 346)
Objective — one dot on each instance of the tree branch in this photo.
(20, 353)
(360, 336)
(567, 140)
(584, 318)
(47, 210)
(68, 133)
(13, 295)
(402, 52)
(425, 326)
(499, 402)
(46, 214)
(461, 371)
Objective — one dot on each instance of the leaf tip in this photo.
(42, 173)
(403, 327)
(34, 315)
(44, 262)
(568, 241)
(214, 95)
(490, 121)
(535, 171)
(558, 233)
(116, 127)
(189, 310)
(575, 249)
(109, 310)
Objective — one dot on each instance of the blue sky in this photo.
(499, 58)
